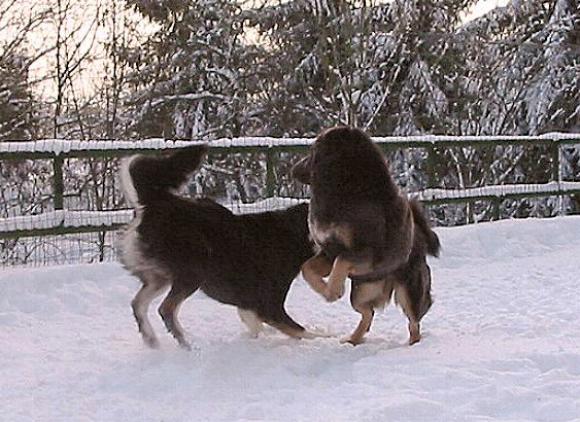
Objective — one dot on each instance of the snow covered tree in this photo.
(380, 66)
(190, 76)
(527, 77)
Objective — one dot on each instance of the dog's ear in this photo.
(301, 170)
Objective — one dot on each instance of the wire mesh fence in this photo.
(59, 249)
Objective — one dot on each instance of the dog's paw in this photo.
(151, 342)
(414, 338)
(352, 340)
(414, 333)
(185, 345)
(318, 333)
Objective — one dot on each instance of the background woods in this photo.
(205, 69)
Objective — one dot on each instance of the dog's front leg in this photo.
(340, 271)
(314, 270)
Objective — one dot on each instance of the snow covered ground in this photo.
(501, 343)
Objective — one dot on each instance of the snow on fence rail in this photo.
(61, 221)
(58, 150)
(498, 191)
(74, 148)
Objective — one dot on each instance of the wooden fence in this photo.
(57, 151)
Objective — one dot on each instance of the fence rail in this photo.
(58, 150)
(70, 222)
(64, 222)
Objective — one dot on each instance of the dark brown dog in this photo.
(248, 261)
(365, 229)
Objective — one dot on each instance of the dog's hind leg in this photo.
(170, 307)
(152, 287)
(364, 297)
(314, 270)
(252, 321)
(403, 299)
(364, 326)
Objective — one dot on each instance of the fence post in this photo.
(270, 173)
(57, 182)
(496, 210)
(555, 153)
(431, 181)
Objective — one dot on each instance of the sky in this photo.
(485, 6)
(87, 86)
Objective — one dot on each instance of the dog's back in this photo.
(352, 188)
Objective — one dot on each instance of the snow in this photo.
(59, 146)
(501, 343)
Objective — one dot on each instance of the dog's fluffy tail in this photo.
(422, 224)
(144, 177)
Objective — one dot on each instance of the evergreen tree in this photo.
(190, 76)
(383, 67)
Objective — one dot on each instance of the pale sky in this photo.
(485, 6)
(95, 70)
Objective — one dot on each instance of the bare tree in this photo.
(17, 28)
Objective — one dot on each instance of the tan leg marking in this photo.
(293, 332)
(385, 297)
(140, 305)
(414, 333)
(340, 271)
(314, 270)
(364, 298)
(357, 337)
(154, 283)
(252, 321)
(402, 298)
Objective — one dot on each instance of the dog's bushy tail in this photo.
(422, 224)
(144, 178)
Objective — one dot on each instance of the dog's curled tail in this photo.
(144, 178)
(422, 224)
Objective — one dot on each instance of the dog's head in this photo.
(336, 146)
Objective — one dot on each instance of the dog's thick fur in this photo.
(248, 261)
(365, 229)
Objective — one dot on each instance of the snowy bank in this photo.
(502, 343)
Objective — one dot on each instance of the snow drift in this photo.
(501, 343)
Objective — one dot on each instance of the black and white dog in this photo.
(184, 244)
